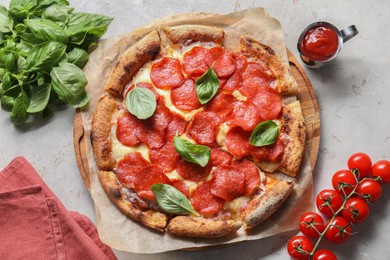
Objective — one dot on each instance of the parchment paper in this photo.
(120, 232)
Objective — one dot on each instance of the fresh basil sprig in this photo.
(141, 102)
(198, 154)
(207, 85)
(172, 200)
(264, 133)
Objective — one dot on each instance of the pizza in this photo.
(189, 134)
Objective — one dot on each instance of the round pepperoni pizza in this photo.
(188, 134)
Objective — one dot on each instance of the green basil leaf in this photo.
(264, 133)
(39, 98)
(198, 154)
(82, 24)
(22, 64)
(141, 102)
(4, 20)
(69, 82)
(172, 200)
(78, 57)
(20, 9)
(50, 2)
(56, 13)
(19, 111)
(46, 30)
(9, 60)
(7, 102)
(44, 56)
(7, 81)
(207, 86)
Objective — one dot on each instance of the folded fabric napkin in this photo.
(35, 225)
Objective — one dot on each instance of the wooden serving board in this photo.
(306, 96)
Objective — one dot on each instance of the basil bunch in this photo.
(43, 47)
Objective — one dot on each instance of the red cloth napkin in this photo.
(35, 225)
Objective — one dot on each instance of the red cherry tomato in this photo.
(369, 189)
(311, 224)
(382, 169)
(339, 231)
(344, 180)
(355, 210)
(299, 247)
(362, 162)
(328, 202)
(324, 254)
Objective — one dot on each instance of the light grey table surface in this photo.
(353, 97)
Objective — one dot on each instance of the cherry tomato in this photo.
(311, 224)
(369, 189)
(355, 210)
(382, 169)
(344, 180)
(362, 162)
(328, 202)
(339, 231)
(299, 247)
(324, 254)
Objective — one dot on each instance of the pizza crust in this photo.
(147, 49)
(187, 34)
(293, 127)
(127, 203)
(263, 205)
(250, 47)
(188, 226)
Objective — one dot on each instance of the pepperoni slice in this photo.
(246, 115)
(234, 82)
(205, 202)
(177, 125)
(146, 178)
(268, 102)
(152, 130)
(237, 142)
(202, 127)
(221, 105)
(268, 153)
(182, 187)
(165, 156)
(144, 85)
(224, 65)
(127, 127)
(185, 96)
(129, 167)
(228, 183)
(252, 175)
(256, 75)
(219, 157)
(167, 73)
(194, 63)
(191, 171)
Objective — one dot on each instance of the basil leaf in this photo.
(264, 133)
(207, 86)
(198, 154)
(82, 24)
(39, 98)
(172, 200)
(19, 110)
(44, 56)
(69, 82)
(46, 30)
(7, 102)
(56, 13)
(4, 20)
(20, 9)
(141, 102)
(78, 57)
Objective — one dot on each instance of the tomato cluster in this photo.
(342, 206)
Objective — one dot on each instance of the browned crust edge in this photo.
(188, 226)
(100, 133)
(145, 50)
(285, 82)
(150, 218)
(294, 129)
(263, 205)
(186, 34)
